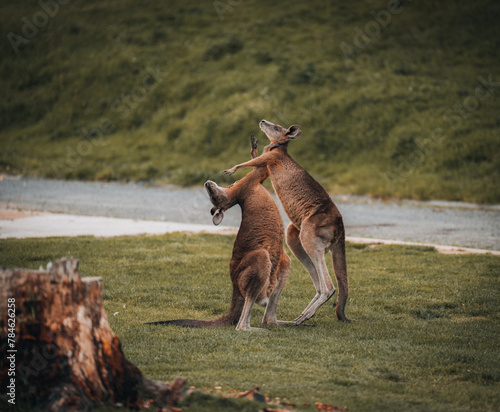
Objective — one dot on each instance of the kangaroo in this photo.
(259, 265)
(316, 224)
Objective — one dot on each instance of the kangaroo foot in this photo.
(279, 322)
(302, 318)
(343, 318)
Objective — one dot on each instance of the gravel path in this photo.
(434, 222)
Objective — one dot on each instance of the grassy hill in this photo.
(394, 99)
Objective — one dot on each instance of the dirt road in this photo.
(443, 223)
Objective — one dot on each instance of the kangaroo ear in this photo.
(217, 216)
(293, 132)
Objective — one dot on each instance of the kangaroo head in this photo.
(279, 135)
(222, 200)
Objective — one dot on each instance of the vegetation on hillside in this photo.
(394, 98)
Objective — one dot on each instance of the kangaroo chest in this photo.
(299, 194)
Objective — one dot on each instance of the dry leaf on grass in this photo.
(274, 410)
(248, 394)
(254, 395)
(325, 407)
(287, 405)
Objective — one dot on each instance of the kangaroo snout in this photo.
(213, 189)
(278, 134)
(208, 185)
(264, 123)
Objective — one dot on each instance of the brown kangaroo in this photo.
(259, 266)
(316, 224)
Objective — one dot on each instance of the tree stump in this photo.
(57, 348)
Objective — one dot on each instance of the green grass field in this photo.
(394, 99)
(426, 336)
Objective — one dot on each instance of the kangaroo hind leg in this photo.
(315, 244)
(253, 281)
(340, 268)
(283, 272)
(295, 245)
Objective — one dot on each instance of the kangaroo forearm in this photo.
(256, 162)
(260, 161)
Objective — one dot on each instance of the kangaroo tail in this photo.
(340, 269)
(230, 318)
(191, 323)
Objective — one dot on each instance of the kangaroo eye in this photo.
(275, 128)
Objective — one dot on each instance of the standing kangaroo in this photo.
(259, 266)
(316, 224)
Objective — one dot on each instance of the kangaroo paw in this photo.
(254, 141)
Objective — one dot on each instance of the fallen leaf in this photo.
(253, 394)
(146, 403)
(248, 394)
(326, 408)
(190, 391)
(274, 410)
(260, 398)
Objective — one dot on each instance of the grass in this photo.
(144, 91)
(426, 336)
